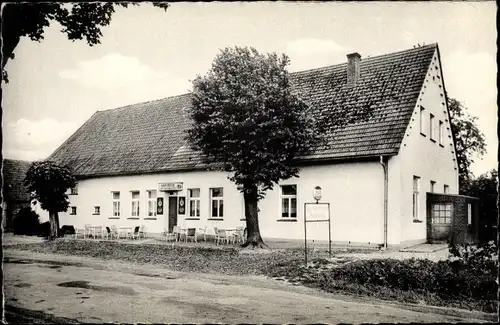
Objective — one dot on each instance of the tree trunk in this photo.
(54, 225)
(250, 196)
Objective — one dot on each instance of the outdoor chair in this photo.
(169, 236)
(177, 232)
(191, 233)
(202, 231)
(79, 232)
(106, 232)
(142, 234)
(114, 232)
(123, 232)
(88, 230)
(135, 234)
(221, 235)
(97, 231)
(238, 235)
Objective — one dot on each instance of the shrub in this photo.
(26, 222)
(66, 230)
(44, 229)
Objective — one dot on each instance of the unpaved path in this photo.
(95, 290)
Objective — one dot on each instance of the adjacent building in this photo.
(14, 194)
(134, 166)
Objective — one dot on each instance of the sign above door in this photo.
(175, 186)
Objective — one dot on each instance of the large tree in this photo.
(248, 122)
(82, 20)
(48, 183)
(469, 140)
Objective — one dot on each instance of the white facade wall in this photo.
(354, 190)
(420, 156)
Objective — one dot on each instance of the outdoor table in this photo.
(125, 230)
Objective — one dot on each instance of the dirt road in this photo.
(94, 290)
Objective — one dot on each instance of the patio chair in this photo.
(135, 234)
(202, 231)
(221, 235)
(98, 231)
(114, 232)
(141, 232)
(88, 230)
(79, 232)
(238, 234)
(191, 233)
(106, 232)
(177, 232)
(123, 232)
(169, 236)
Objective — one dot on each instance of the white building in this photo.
(134, 166)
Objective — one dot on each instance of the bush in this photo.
(26, 222)
(66, 230)
(44, 229)
(447, 279)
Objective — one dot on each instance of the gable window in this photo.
(422, 130)
(194, 202)
(97, 210)
(217, 202)
(433, 184)
(416, 187)
(135, 203)
(116, 204)
(152, 203)
(73, 211)
(431, 126)
(73, 190)
(441, 213)
(441, 132)
(446, 188)
(289, 201)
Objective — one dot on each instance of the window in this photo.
(431, 126)
(97, 210)
(73, 190)
(116, 204)
(441, 213)
(416, 187)
(135, 203)
(422, 120)
(446, 188)
(469, 214)
(194, 202)
(433, 184)
(152, 203)
(289, 201)
(441, 132)
(73, 211)
(217, 202)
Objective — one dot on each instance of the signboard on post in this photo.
(317, 212)
(166, 187)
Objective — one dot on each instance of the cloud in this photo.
(32, 140)
(309, 53)
(117, 72)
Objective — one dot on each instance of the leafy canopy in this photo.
(469, 140)
(48, 183)
(247, 120)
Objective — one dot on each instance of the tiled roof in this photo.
(14, 172)
(149, 137)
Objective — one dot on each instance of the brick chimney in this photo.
(353, 62)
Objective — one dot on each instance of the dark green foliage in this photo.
(485, 188)
(67, 230)
(27, 222)
(48, 182)
(469, 140)
(44, 230)
(248, 120)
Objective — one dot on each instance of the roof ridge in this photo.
(145, 102)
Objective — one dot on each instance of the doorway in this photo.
(172, 212)
(440, 228)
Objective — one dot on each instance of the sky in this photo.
(147, 54)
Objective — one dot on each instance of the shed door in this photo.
(441, 222)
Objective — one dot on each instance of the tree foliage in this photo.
(80, 20)
(469, 140)
(485, 187)
(48, 183)
(247, 122)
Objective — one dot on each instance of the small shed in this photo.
(452, 218)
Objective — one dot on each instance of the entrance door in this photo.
(172, 212)
(440, 228)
